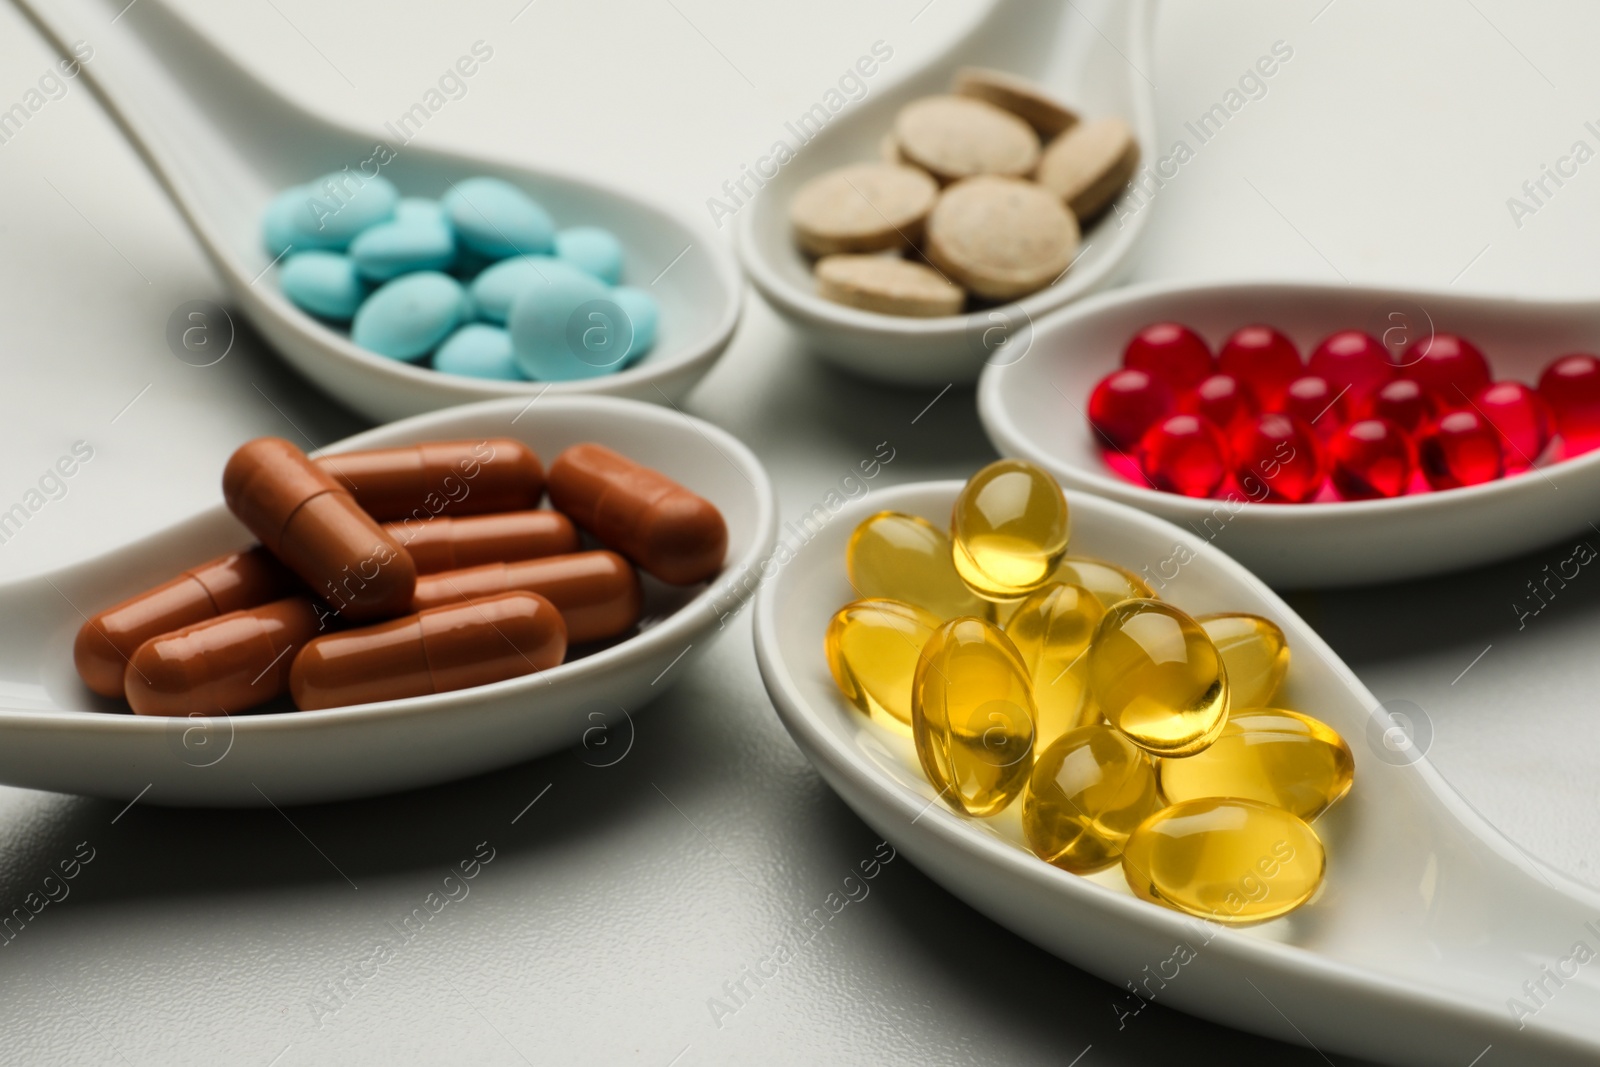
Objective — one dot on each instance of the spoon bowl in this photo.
(1429, 919)
(223, 144)
(1035, 409)
(56, 735)
(1095, 56)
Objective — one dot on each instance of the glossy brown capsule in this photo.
(442, 543)
(434, 651)
(670, 532)
(233, 582)
(597, 593)
(305, 519)
(224, 665)
(455, 477)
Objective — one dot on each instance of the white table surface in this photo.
(617, 907)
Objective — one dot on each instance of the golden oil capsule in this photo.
(1158, 678)
(1281, 758)
(1009, 527)
(1255, 653)
(907, 558)
(972, 716)
(1088, 791)
(1107, 581)
(872, 648)
(1225, 859)
(1051, 631)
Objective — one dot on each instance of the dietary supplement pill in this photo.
(434, 651)
(597, 593)
(1028, 101)
(1107, 581)
(865, 207)
(1254, 652)
(1009, 529)
(1001, 238)
(1088, 791)
(224, 665)
(668, 531)
(1277, 757)
(1158, 678)
(239, 580)
(1227, 860)
(907, 558)
(972, 716)
(887, 286)
(1089, 164)
(872, 647)
(315, 528)
(442, 543)
(1051, 631)
(412, 482)
(954, 137)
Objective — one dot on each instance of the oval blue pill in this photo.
(330, 211)
(408, 317)
(643, 314)
(497, 219)
(592, 249)
(401, 246)
(278, 231)
(497, 288)
(322, 283)
(420, 209)
(478, 351)
(569, 329)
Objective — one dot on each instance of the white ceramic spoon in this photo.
(1035, 408)
(1429, 919)
(56, 735)
(223, 144)
(1095, 55)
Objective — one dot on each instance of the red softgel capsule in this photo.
(1172, 352)
(1460, 448)
(1279, 457)
(1354, 363)
(1263, 359)
(1223, 400)
(1313, 399)
(1449, 367)
(1371, 458)
(1571, 386)
(1522, 418)
(1184, 454)
(1126, 403)
(1403, 402)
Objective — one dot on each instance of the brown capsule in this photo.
(435, 651)
(670, 532)
(442, 543)
(304, 518)
(224, 665)
(597, 593)
(436, 477)
(233, 582)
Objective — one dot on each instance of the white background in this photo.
(1384, 151)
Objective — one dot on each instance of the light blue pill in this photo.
(643, 314)
(323, 283)
(420, 209)
(592, 249)
(498, 219)
(478, 351)
(499, 286)
(330, 211)
(569, 329)
(401, 246)
(408, 317)
(278, 231)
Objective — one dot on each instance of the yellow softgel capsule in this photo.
(1009, 527)
(1225, 859)
(1281, 758)
(1158, 678)
(1051, 631)
(972, 716)
(1255, 653)
(1088, 791)
(1107, 581)
(907, 558)
(872, 648)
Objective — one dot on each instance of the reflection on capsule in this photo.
(1158, 678)
(1009, 529)
(972, 716)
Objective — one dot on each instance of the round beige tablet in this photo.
(866, 207)
(889, 286)
(1000, 237)
(1021, 97)
(1089, 164)
(889, 149)
(955, 137)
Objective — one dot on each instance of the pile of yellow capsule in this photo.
(1131, 731)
